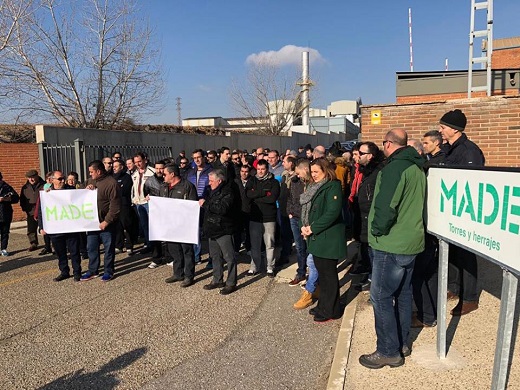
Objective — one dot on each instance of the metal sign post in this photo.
(442, 299)
(505, 330)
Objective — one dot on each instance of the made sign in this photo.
(68, 211)
(478, 209)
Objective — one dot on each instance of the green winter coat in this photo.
(395, 222)
(328, 231)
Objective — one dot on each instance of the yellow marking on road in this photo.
(28, 277)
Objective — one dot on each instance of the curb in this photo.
(338, 369)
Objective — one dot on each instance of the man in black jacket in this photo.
(245, 207)
(152, 187)
(8, 197)
(28, 198)
(370, 163)
(182, 254)
(128, 222)
(263, 191)
(462, 152)
(218, 226)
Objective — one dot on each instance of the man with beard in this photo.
(370, 158)
(152, 187)
(263, 191)
(127, 227)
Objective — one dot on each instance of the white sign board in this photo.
(173, 220)
(479, 209)
(69, 211)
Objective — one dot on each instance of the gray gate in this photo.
(76, 157)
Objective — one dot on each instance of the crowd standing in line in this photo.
(316, 198)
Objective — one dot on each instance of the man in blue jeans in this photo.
(396, 236)
(109, 205)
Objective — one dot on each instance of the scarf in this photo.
(306, 200)
(358, 177)
(269, 175)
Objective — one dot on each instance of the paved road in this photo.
(137, 331)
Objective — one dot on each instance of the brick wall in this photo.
(506, 58)
(16, 160)
(493, 124)
(441, 97)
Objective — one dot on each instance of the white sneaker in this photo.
(117, 250)
(170, 264)
(153, 265)
(4, 252)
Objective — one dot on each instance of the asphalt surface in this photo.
(138, 332)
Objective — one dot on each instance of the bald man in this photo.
(396, 236)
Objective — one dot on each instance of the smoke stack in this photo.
(305, 88)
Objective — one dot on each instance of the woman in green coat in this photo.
(323, 228)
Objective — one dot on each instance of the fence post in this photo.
(79, 151)
(42, 148)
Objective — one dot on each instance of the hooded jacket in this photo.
(396, 215)
(263, 193)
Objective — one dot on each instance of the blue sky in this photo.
(360, 45)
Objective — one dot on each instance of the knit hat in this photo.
(454, 119)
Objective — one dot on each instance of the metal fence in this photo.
(76, 157)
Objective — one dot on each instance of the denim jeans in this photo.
(62, 243)
(391, 296)
(301, 246)
(142, 213)
(312, 280)
(107, 238)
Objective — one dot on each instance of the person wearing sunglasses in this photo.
(63, 243)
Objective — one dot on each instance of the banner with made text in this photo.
(478, 209)
(69, 211)
(173, 220)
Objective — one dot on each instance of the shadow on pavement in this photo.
(104, 378)
(12, 264)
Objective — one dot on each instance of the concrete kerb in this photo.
(338, 369)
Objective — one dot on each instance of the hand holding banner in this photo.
(173, 220)
(69, 211)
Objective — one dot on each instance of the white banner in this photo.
(478, 209)
(173, 220)
(69, 211)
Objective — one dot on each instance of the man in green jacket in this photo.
(396, 236)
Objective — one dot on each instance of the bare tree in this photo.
(269, 100)
(88, 63)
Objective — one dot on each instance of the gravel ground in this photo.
(138, 331)
(471, 347)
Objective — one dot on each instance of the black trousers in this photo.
(127, 228)
(32, 229)
(62, 243)
(328, 301)
(183, 260)
(4, 234)
(425, 281)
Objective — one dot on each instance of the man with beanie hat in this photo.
(461, 152)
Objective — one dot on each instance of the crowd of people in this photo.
(314, 199)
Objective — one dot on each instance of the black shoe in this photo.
(145, 250)
(319, 318)
(376, 360)
(186, 282)
(227, 290)
(173, 279)
(61, 277)
(358, 271)
(406, 351)
(84, 256)
(44, 252)
(363, 286)
(313, 311)
(212, 286)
